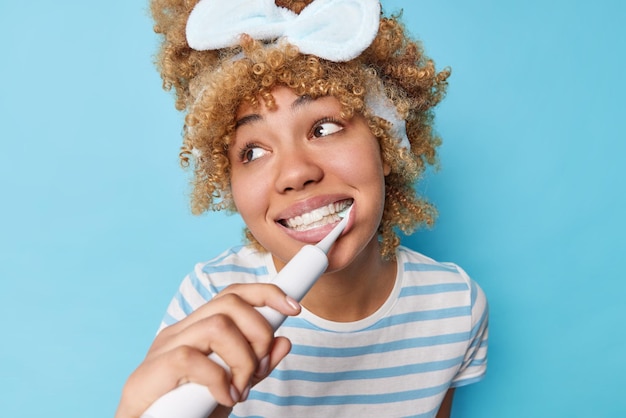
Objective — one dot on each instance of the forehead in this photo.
(283, 99)
(278, 97)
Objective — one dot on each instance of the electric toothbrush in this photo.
(192, 400)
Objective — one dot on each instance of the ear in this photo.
(386, 169)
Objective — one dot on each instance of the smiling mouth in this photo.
(317, 217)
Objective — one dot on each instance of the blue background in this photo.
(96, 233)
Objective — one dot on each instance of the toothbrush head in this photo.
(332, 236)
(344, 213)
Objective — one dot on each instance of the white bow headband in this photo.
(336, 30)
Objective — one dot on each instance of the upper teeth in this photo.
(317, 217)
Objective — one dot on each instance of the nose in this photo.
(296, 170)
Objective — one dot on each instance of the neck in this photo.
(356, 291)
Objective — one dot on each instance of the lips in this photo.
(316, 218)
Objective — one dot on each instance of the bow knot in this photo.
(336, 30)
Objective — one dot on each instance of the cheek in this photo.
(249, 195)
(364, 165)
(238, 189)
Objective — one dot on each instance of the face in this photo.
(295, 166)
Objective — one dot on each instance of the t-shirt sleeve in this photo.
(194, 291)
(474, 364)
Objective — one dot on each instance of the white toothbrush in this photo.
(192, 400)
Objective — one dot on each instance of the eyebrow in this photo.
(300, 102)
(248, 119)
(295, 106)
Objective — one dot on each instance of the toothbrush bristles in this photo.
(329, 240)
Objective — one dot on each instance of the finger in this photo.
(221, 335)
(234, 301)
(235, 347)
(264, 294)
(280, 349)
(193, 366)
(222, 317)
(155, 377)
(254, 294)
(230, 327)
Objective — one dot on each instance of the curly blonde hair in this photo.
(211, 85)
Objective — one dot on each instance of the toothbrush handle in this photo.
(192, 400)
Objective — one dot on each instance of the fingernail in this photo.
(245, 394)
(293, 303)
(264, 364)
(234, 394)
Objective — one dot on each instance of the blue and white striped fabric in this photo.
(430, 335)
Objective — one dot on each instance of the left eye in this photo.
(326, 128)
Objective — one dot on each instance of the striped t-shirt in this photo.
(430, 335)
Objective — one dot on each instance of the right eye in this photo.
(251, 152)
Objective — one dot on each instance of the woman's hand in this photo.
(227, 325)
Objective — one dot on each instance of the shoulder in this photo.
(422, 271)
(240, 264)
(410, 261)
(239, 259)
